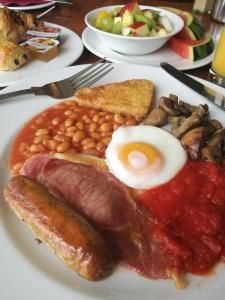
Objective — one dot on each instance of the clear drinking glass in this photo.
(217, 70)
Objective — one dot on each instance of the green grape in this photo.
(107, 23)
(116, 11)
(117, 28)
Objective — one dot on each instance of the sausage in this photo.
(68, 234)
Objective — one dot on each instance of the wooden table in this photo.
(72, 16)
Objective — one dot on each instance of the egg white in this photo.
(173, 154)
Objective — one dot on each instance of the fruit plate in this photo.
(94, 45)
(34, 271)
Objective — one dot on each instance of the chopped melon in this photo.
(193, 29)
(193, 50)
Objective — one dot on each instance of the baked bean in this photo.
(41, 148)
(119, 119)
(106, 133)
(92, 127)
(68, 112)
(69, 103)
(78, 136)
(62, 127)
(60, 138)
(115, 126)
(17, 167)
(27, 153)
(39, 120)
(70, 133)
(41, 138)
(56, 121)
(102, 113)
(44, 114)
(72, 128)
(23, 147)
(59, 106)
(87, 140)
(95, 135)
(52, 144)
(105, 127)
(76, 109)
(34, 148)
(131, 122)
(90, 145)
(92, 112)
(59, 132)
(101, 120)
(96, 118)
(74, 116)
(33, 126)
(76, 145)
(42, 131)
(109, 117)
(100, 147)
(87, 119)
(106, 140)
(69, 122)
(63, 147)
(80, 125)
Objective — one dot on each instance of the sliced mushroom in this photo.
(169, 106)
(157, 117)
(183, 125)
(193, 141)
(186, 108)
(173, 97)
(213, 151)
(216, 124)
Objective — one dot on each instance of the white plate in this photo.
(31, 271)
(93, 44)
(70, 49)
(31, 6)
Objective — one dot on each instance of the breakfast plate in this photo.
(31, 6)
(70, 49)
(94, 45)
(29, 266)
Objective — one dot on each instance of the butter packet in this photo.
(42, 48)
(48, 32)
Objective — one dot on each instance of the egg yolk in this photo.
(140, 156)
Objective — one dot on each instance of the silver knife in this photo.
(212, 95)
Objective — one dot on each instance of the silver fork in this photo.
(65, 88)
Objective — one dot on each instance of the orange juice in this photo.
(218, 64)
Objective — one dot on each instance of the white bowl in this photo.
(133, 45)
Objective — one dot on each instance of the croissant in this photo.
(12, 56)
(13, 24)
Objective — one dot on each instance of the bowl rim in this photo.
(110, 7)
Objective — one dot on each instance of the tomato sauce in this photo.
(189, 214)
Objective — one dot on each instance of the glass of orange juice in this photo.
(217, 71)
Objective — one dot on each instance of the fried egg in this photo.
(144, 156)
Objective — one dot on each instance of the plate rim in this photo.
(76, 293)
(29, 7)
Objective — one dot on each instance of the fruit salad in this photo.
(131, 20)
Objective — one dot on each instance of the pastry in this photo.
(12, 56)
(13, 25)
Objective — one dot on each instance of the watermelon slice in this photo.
(192, 29)
(193, 50)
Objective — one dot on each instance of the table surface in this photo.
(72, 16)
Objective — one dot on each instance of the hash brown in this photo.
(130, 97)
